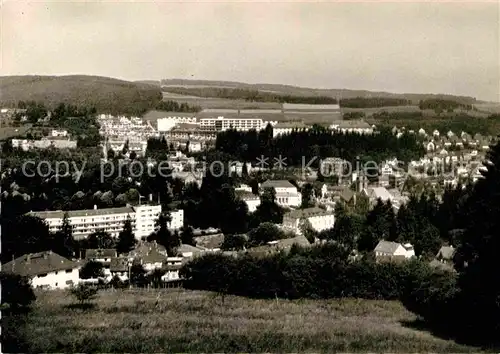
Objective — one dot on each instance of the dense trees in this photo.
(307, 148)
(469, 308)
(440, 105)
(316, 272)
(249, 95)
(107, 95)
(173, 106)
(367, 102)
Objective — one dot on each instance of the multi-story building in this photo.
(45, 270)
(320, 219)
(85, 222)
(177, 219)
(286, 193)
(221, 123)
(111, 220)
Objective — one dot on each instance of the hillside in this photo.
(106, 94)
(155, 321)
(305, 91)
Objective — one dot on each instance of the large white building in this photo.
(166, 124)
(320, 219)
(84, 222)
(45, 270)
(221, 123)
(286, 193)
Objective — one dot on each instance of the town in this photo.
(226, 177)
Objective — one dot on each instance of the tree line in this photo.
(174, 106)
(372, 102)
(249, 95)
(318, 143)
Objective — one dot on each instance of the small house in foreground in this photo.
(45, 269)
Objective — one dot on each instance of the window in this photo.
(69, 270)
(42, 275)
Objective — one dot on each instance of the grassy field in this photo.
(177, 320)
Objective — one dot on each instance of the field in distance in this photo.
(176, 320)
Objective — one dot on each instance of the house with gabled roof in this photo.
(389, 249)
(286, 193)
(45, 270)
(320, 219)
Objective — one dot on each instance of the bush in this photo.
(318, 272)
(16, 291)
(84, 293)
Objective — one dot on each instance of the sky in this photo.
(397, 47)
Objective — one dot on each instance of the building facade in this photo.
(221, 124)
(286, 193)
(318, 218)
(85, 222)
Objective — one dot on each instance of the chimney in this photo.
(151, 197)
(28, 258)
(95, 206)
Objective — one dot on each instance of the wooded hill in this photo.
(107, 95)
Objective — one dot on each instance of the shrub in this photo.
(318, 272)
(84, 293)
(16, 291)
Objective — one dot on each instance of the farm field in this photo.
(177, 320)
(9, 132)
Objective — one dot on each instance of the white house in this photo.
(195, 146)
(320, 219)
(45, 269)
(58, 133)
(252, 201)
(286, 193)
(393, 249)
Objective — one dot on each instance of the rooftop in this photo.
(38, 263)
(277, 184)
(387, 246)
(59, 214)
(100, 253)
(307, 213)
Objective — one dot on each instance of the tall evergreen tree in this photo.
(126, 238)
(477, 258)
(163, 235)
(307, 196)
(380, 225)
(65, 244)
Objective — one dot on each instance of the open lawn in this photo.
(176, 320)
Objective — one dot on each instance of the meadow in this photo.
(177, 320)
